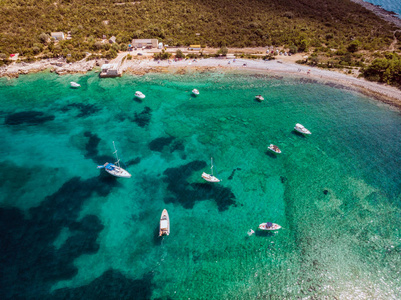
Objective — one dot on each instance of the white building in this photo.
(58, 36)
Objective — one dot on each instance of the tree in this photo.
(293, 49)
(303, 45)
(179, 54)
(44, 38)
(223, 51)
(354, 46)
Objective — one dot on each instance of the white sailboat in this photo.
(210, 177)
(115, 169)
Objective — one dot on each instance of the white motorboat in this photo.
(195, 92)
(115, 169)
(301, 129)
(269, 226)
(139, 95)
(164, 223)
(210, 177)
(74, 84)
(274, 148)
(259, 97)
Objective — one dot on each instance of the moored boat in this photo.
(269, 226)
(301, 129)
(274, 149)
(74, 84)
(139, 95)
(164, 223)
(195, 92)
(210, 177)
(115, 169)
(259, 97)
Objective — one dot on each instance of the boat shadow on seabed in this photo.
(263, 233)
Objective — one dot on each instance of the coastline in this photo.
(386, 15)
(280, 67)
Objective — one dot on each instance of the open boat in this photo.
(269, 226)
(164, 223)
(301, 129)
(74, 84)
(139, 95)
(274, 148)
(210, 177)
(259, 97)
(115, 169)
(195, 92)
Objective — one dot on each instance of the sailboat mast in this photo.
(115, 152)
(211, 165)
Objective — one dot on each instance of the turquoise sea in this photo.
(390, 5)
(71, 231)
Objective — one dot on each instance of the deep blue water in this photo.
(390, 5)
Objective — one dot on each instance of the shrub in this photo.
(354, 46)
(179, 54)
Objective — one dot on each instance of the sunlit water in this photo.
(70, 230)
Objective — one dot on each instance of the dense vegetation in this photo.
(333, 28)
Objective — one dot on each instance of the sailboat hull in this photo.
(119, 172)
(209, 177)
(116, 171)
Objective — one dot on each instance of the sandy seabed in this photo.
(385, 93)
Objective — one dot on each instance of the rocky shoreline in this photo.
(389, 16)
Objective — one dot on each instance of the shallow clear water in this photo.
(69, 230)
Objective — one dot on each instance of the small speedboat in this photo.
(274, 148)
(74, 84)
(164, 223)
(269, 226)
(259, 97)
(195, 92)
(139, 95)
(301, 129)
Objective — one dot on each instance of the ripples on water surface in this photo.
(69, 230)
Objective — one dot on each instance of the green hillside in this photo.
(341, 33)
(244, 23)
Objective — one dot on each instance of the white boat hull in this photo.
(140, 95)
(195, 92)
(274, 149)
(210, 178)
(117, 171)
(74, 84)
(164, 223)
(274, 226)
(260, 98)
(301, 129)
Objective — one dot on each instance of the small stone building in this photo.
(110, 70)
(140, 43)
